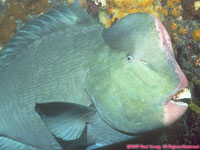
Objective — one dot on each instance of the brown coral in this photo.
(196, 35)
(19, 10)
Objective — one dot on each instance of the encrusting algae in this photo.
(176, 11)
(170, 10)
(196, 35)
(197, 62)
(19, 10)
(194, 107)
(182, 30)
(116, 9)
(174, 26)
(197, 5)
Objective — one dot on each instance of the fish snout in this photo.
(183, 82)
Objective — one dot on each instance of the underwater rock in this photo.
(189, 9)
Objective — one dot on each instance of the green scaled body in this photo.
(68, 83)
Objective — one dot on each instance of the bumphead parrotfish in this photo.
(66, 82)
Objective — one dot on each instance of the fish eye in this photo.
(129, 58)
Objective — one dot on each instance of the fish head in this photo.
(132, 80)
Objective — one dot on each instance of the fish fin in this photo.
(11, 144)
(60, 18)
(65, 120)
(80, 143)
(101, 135)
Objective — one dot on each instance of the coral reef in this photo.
(18, 10)
(196, 35)
(116, 9)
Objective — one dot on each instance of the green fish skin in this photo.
(66, 82)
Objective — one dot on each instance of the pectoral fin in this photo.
(65, 120)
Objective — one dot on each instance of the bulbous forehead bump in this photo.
(125, 34)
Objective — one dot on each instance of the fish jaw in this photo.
(174, 108)
(173, 112)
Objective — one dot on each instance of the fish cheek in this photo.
(99, 89)
(119, 106)
(140, 105)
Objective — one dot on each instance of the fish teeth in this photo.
(184, 93)
(180, 103)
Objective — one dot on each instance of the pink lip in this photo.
(173, 112)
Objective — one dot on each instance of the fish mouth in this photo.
(176, 105)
